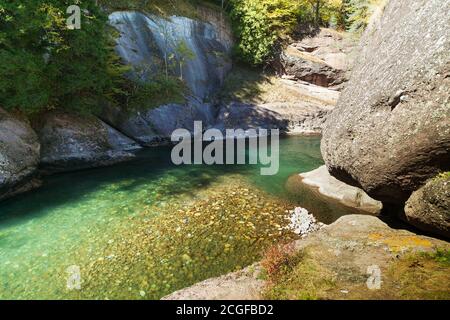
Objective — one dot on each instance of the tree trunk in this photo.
(318, 12)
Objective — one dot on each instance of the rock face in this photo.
(335, 189)
(146, 41)
(429, 207)
(155, 126)
(19, 155)
(71, 142)
(322, 60)
(390, 131)
(287, 105)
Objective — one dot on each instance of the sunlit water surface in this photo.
(145, 228)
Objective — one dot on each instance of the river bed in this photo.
(143, 229)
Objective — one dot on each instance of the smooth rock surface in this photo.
(155, 126)
(146, 41)
(390, 131)
(429, 207)
(71, 142)
(19, 155)
(331, 187)
(240, 285)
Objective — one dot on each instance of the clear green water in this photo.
(74, 217)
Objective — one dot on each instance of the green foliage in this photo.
(185, 8)
(259, 25)
(160, 90)
(183, 54)
(359, 13)
(45, 65)
(442, 256)
(263, 25)
(443, 176)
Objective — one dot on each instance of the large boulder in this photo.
(429, 207)
(71, 142)
(19, 155)
(154, 126)
(390, 131)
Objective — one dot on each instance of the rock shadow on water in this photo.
(324, 209)
(151, 165)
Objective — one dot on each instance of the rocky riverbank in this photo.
(357, 257)
(389, 137)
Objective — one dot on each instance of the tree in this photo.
(46, 66)
(316, 6)
(183, 53)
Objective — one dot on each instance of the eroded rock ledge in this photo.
(330, 187)
(73, 142)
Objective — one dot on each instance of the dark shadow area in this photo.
(305, 30)
(391, 215)
(243, 84)
(249, 116)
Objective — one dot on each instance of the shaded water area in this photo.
(146, 228)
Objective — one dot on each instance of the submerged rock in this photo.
(330, 187)
(71, 142)
(19, 155)
(147, 41)
(429, 207)
(390, 131)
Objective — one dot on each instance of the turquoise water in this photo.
(75, 216)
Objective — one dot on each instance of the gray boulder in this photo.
(71, 142)
(429, 207)
(330, 187)
(19, 155)
(154, 126)
(390, 131)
